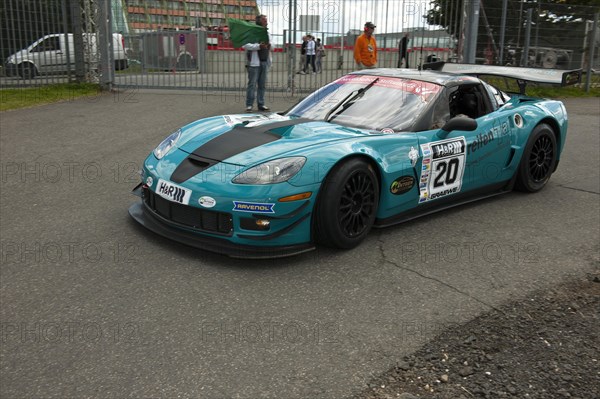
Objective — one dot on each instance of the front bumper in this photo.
(151, 220)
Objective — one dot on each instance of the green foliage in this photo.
(553, 19)
(31, 96)
(548, 91)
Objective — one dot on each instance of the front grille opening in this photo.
(189, 216)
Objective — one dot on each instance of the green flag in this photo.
(243, 32)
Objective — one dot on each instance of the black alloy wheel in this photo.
(539, 159)
(347, 204)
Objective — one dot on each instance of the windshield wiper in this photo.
(349, 100)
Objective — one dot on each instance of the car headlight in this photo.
(270, 172)
(166, 145)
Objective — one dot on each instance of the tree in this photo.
(554, 22)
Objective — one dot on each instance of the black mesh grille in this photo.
(200, 219)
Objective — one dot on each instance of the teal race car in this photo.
(371, 149)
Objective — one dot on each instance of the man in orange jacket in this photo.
(365, 48)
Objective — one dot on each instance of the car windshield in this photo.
(369, 102)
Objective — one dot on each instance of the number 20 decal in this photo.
(443, 168)
(447, 172)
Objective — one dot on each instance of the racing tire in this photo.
(538, 161)
(27, 71)
(347, 205)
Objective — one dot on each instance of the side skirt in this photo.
(442, 204)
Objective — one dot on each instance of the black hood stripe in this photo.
(236, 141)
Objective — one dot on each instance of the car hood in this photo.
(19, 55)
(247, 139)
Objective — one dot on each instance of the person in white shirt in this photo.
(311, 51)
(258, 62)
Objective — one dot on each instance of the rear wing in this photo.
(522, 75)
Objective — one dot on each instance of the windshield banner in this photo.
(416, 87)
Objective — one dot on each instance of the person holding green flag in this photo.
(258, 62)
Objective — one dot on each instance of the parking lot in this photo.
(93, 305)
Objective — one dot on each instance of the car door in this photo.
(459, 161)
(48, 55)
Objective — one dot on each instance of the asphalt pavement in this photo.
(92, 305)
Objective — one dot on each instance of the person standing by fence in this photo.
(402, 51)
(365, 48)
(311, 51)
(258, 63)
(320, 55)
(303, 55)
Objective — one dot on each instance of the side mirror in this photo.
(458, 123)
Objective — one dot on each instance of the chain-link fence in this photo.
(186, 44)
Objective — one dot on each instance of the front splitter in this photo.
(146, 218)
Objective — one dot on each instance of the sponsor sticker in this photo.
(413, 155)
(173, 192)
(232, 120)
(149, 181)
(207, 202)
(254, 207)
(443, 168)
(402, 185)
(419, 88)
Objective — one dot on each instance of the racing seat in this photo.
(468, 105)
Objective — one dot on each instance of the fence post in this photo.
(502, 31)
(340, 62)
(201, 45)
(77, 41)
(472, 29)
(65, 29)
(105, 45)
(588, 72)
(525, 55)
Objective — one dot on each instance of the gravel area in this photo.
(544, 346)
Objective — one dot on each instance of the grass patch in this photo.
(31, 96)
(558, 92)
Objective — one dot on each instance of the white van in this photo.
(48, 54)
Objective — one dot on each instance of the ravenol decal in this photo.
(254, 207)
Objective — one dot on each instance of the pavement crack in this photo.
(579, 189)
(441, 282)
